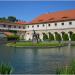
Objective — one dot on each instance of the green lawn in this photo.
(40, 44)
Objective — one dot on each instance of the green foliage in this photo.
(31, 44)
(13, 31)
(13, 37)
(45, 37)
(51, 37)
(11, 18)
(5, 69)
(72, 37)
(65, 37)
(70, 69)
(57, 36)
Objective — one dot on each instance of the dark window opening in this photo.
(37, 25)
(48, 24)
(9, 26)
(23, 27)
(70, 23)
(55, 24)
(19, 26)
(4, 25)
(62, 23)
(14, 26)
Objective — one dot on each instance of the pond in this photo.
(36, 60)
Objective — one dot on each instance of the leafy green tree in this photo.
(57, 36)
(73, 37)
(11, 18)
(51, 37)
(65, 36)
(45, 37)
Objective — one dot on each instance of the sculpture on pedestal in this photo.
(35, 37)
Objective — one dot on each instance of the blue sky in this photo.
(28, 10)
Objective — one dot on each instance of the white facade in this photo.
(26, 31)
(68, 26)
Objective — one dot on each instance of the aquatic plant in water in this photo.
(70, 69)
(5, 69)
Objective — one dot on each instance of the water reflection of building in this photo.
(60, 22)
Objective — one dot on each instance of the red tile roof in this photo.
(20, 22)
(55, 16)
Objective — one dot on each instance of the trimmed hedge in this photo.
(65, 37)
(51, 37)
(45, 37)
(72, 37)
(57, 36)
(12, 37)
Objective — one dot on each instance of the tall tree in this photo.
(12, 18)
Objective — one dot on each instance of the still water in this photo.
(36, 60)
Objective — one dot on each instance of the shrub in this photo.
(72, 37)
(65, 37)
(45, 37)
(13, 37)
(57, 36)
(51, 37)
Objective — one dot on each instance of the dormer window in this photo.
(64, 17)
(40, 20)
(51, 19)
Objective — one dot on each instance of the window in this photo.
(55, 24)
(14, 26)
(19, 26)
(70, 23)
(43, 25)
(4, 25)
(48, 24)
(28, 26)
(32, 26)
(28, 33)
(62, 23)
(9, 26)
(37, 25)
(23, 27)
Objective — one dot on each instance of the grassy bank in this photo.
(30, 44)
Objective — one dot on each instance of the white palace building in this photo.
(62, 21)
